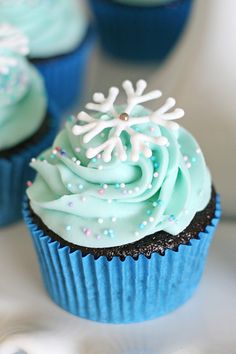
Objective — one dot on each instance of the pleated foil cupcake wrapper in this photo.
(64, 75)
(140, 33)
(120, 291)
(15, 172)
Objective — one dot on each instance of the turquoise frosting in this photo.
(53, 27)
(144, 2)
(93, 203)
(22, 100)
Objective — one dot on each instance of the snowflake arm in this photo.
(136, 97)
(102, 104)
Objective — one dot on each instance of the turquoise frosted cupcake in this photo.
(26, 125)
(60, 42)
(140, 30)
(122, 211)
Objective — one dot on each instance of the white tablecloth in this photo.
(201, 75)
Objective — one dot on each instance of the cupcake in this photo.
(60, 42)
(26, 125)
(140, 30)
(122, 210)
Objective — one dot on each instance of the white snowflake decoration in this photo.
(119, 123)
(13, 39)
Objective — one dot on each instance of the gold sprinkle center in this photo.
(124, 117)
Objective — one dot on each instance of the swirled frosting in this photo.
(53, 27)
(93, 203)
(144, 2)
(22, 99)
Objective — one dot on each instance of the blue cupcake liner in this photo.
(118, 291)
(64, 75)
(15, 172)
(140, 33)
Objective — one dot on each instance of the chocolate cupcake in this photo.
(122, 211)
(60, 40)
(27, 126)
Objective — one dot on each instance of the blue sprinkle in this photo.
(194, 159)
(156, 165)
(81, 186)
(153, 158)
(141, 226)
(117, 185)
(94, 160)
(69, 185)
(149, 212)
(154, 204)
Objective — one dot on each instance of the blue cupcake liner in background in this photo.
(64, 75)
(15, 172)
(140, 33)
(120, 291)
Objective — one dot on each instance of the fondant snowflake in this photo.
(125, 122)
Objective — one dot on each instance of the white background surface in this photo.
(201, 74)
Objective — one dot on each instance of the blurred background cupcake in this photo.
(140, 30)
(27, 126)
(60, 40)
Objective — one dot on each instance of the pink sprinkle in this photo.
(87, 232)
(29, 183)
(101, 191)
(152, 129)
(185, 158)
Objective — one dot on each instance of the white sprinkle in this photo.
(188, 165)
(130, 191)
(198, 151)
(109, 201)
(156, 174)
(77, 149)
(105, 186)
(144, 223)
(151, 219)
(73, 159)
(136, 189)
(33, 159)
(185, 158)
(78, 162)
(113, 219)
(100, 220)
(122, 185)
(100, 167)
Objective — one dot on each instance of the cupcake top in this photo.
(22, 95)
(145, 2)
(53, 27)
(120, 173)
